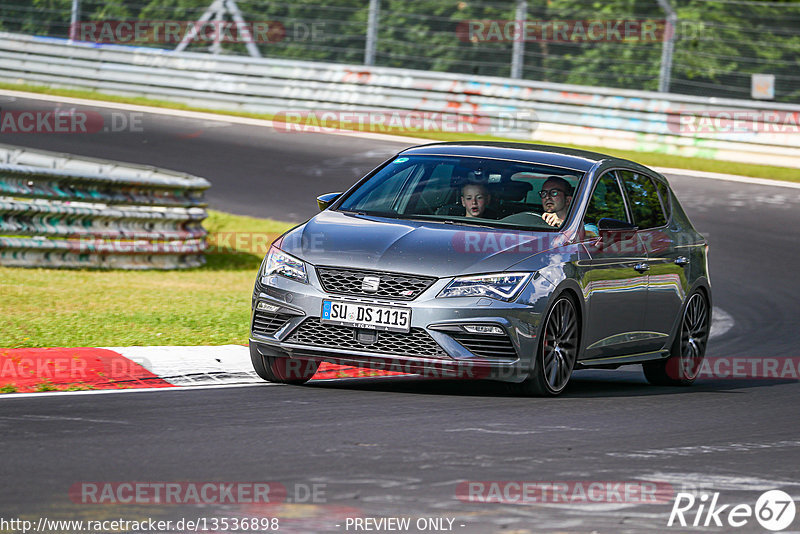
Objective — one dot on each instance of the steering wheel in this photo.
(521, 217)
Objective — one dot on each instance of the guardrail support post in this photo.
(372, 32)
(73, 20)
(250, 42)
(518, 47)
(669, 45)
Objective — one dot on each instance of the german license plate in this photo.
(360, 315)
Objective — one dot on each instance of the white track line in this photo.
(721, 322)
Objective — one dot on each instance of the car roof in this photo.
(572, 158)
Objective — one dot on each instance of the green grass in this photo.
(89, 308)
(46, 386)
(653, 159)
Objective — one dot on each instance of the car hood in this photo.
(419, 247)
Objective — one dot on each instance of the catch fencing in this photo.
(725, 129)
(58, 210)
(721, 48)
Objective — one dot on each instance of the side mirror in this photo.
(323, 201)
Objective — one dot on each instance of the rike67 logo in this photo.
(774, 510)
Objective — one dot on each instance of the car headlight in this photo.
(501, 286)
(280, 263)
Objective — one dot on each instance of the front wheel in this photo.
(558, 350)
(282, 370)
(688, 350)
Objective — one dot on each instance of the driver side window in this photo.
(606, 202)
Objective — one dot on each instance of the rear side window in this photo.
(644, 200)
(663, 191)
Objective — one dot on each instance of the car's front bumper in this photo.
(436, 345)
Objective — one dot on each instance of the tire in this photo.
(688, 349)
(282, 370)
(557, 351)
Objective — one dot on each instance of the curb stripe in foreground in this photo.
(62, 370)
(59, 369)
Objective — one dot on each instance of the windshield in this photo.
(467, 190)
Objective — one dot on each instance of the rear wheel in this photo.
(688, 349)
(558, 350)
(282, 370)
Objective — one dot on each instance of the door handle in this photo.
(641, 267)
(681, 260)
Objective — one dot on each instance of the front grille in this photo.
(486, 346)
(392, 285)
(266, 324)
(415, 343)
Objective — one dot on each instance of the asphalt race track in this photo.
(400, 447)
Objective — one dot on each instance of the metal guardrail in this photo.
(551, 113)
(64, 211)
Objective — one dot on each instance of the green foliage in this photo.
(719, 44)
(722, 45)
(419, 34)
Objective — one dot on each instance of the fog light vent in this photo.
(483, 329)
(266, 307)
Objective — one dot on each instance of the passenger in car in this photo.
(475, 198)
(556, 195)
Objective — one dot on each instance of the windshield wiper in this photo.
(466, 223)
(426, 218)
(456, 222)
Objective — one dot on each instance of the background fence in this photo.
(551, 113)
(64, 211)
(717, 44)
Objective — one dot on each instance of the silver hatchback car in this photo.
(502, 261)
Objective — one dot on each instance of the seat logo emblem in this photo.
(370, 283)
